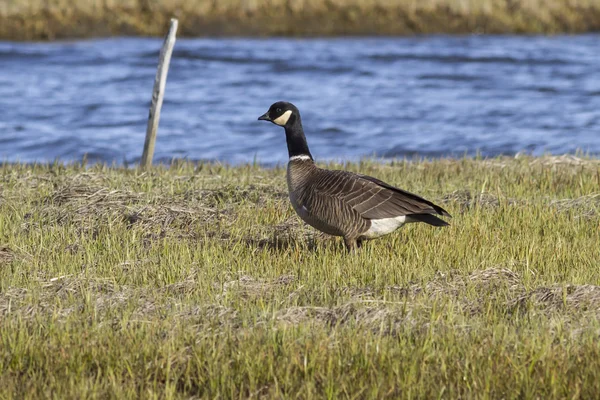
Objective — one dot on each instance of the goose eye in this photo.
(278, 110)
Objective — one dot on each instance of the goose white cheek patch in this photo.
(283, 118)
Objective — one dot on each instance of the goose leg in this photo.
(351, 244)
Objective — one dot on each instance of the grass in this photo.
(199, 281)
(41, 19)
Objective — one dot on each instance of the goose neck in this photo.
(296, 141)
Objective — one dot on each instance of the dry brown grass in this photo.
(6, 255)
(38, 19)
(365, 308)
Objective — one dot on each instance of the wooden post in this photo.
(158, 94)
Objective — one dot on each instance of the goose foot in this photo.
(352, 244)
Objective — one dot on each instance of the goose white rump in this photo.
(383, 226)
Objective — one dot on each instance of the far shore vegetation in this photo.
(60, 19)
(199, 281)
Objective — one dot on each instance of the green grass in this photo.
(199, 281)
(43, 19)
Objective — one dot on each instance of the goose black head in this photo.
(281, 113)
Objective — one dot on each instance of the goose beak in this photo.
(264, 117)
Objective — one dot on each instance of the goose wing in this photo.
(372, 198)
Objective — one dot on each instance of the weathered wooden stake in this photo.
(158, 94)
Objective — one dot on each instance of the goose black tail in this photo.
(428, 219)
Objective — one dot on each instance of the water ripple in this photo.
(391, 97)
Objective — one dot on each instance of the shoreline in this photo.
(35, 20)
(576, 157)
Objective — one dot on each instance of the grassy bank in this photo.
(40, 19)
(201, 281)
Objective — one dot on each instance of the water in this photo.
(385, 97)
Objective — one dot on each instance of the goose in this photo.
(341, 203)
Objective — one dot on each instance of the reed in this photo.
(40, 19)
(198, 280)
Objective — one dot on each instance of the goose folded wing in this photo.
(372, 198)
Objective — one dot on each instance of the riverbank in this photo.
(199, 280)
(42, 20)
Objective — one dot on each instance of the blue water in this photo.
(388, 97)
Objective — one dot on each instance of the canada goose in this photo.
(342, 203)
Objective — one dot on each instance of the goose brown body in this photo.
(343, 203)
(319, 208)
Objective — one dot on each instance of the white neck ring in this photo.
(300, 157)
